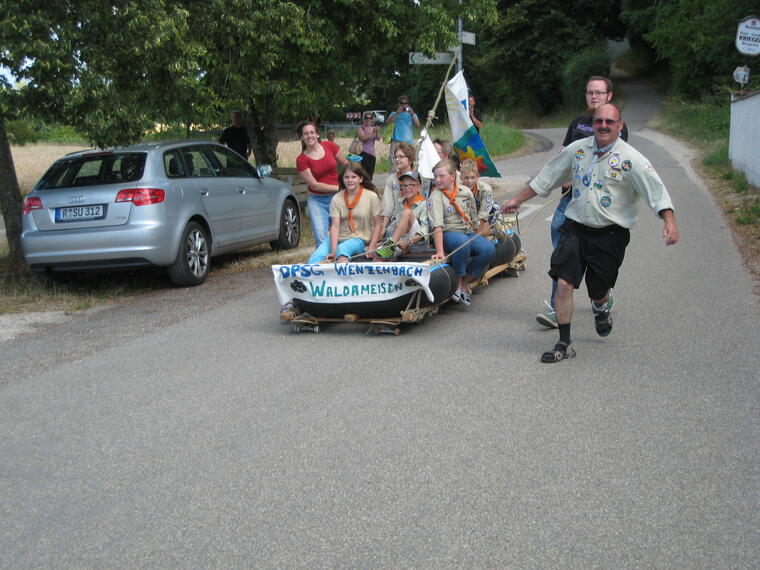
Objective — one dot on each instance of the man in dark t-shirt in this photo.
(598, 92)
(236, 136)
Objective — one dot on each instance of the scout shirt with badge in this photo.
(442, 213)
(363, 214)
(605, 188)
(484, 200)
(420, 211)
(392, 198)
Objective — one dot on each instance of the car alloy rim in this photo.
(197, 253)
(291, 224)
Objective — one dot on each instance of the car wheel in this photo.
(290, 227)
(191, 265)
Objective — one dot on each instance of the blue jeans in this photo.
(557, 220)
(473, 258)
(319, 214)
(348, 247)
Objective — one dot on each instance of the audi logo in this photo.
(76, 199)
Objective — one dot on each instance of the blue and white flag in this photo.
(466, 138)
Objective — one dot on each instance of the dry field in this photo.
(31, 161)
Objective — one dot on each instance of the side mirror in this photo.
(264, 170)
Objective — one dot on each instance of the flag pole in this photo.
(431, 113)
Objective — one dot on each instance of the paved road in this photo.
(188, 428)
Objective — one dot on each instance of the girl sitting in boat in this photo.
(403, 161)
(354, 218)
(453, 216)
(482, 192)
(411, 228)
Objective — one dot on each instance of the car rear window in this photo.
(94, 169)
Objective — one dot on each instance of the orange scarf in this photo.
(452, 200)
(350, 206)
(417, 198)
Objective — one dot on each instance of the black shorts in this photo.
(597, 252)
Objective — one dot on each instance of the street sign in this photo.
(467, 38)
(741, 75)
(748, 36)
(441, 58)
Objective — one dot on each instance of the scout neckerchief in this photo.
(475, 195)
(452, 200)
(351, 205)
(417, 198)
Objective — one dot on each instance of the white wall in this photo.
(744, 137)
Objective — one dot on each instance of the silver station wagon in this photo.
(174, 205)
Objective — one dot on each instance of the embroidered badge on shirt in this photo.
(449, 209)
(627, 165)
(586, 180)
(605, 201)
(614, 160)
(615, 175)
(576, 193)
(579, 154)
(430, 205)
(598, 184)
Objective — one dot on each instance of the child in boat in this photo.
(483, 194)
(453, 217)
(403, 161)
(354, 218)
(411, 229)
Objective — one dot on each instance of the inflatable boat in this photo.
(383, 294)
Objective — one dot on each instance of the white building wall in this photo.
(744, 137)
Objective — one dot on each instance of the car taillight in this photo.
(30, 204)
(141, 196)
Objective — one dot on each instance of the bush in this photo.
(21, 132)
(591, 61)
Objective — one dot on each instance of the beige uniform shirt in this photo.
(605, 189)
(363, 214)
(442, 213)
(420, 211)
(484, 200)
(391, 197)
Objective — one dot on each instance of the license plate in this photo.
(77, 213)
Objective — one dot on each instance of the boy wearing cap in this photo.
(412, 223)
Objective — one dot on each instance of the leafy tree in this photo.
(286, 58)
(108, 68)
(522, 54)
(696, 38)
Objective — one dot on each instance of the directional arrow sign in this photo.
(441, 58)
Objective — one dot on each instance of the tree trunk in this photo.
(10, 197)
(262, 130)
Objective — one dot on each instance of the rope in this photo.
(535, 214)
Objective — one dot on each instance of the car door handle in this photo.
(241, 190)
(204, 191)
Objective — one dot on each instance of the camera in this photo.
(407, 109)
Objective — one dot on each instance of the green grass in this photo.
(705, 125)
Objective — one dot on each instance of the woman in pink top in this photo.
(318, 167)
(368, 134)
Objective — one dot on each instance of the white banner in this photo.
(350, 282)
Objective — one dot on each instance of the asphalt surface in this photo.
(189, 428)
